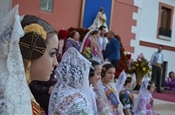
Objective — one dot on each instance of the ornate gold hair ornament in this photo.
(34, 27)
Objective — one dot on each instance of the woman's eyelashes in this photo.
(52, 54)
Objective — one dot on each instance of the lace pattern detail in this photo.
(71, 93)
(143, 97)
(12, 75)
(67, 101)
(103, 106)
(76, 69)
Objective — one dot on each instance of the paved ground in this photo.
(163, 107)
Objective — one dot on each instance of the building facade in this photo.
(5, 6)
(142, 25)
(155, 26)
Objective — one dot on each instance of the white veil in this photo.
(103, 106)
(70, 94)
(84, 40)
(99, 58)
(121, 80)
(74, 70)
(143, 98)
(15, 92)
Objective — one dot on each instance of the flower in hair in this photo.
(34, 27)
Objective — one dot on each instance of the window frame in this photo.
(166, 6)
(42, 8)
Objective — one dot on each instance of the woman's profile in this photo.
(28, 47)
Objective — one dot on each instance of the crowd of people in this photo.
(33, 83)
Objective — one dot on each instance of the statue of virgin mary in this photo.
(100, 20)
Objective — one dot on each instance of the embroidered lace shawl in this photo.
(16, 94)
(70, 95)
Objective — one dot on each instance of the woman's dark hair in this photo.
(128, 80)
(72, 34)
(101, 28)
(171, 73)
(149, 85)
(29, 19)
(161, 46)
(94, 32)
(105, 68)
(92, 68)
(33, 44)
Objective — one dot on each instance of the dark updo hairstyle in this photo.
(128, 80)
(32, 44)
(94, 32)
(149, 85)
(105, 68)
(72, 34)
(92, 68)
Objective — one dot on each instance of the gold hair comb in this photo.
(34, 27)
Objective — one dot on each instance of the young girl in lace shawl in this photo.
(144, 103)
(99, 100)
(112, 94)
(126, 97)
(30, 46)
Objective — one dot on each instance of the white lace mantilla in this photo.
(71, 93)
(15, 92)
(68, 101)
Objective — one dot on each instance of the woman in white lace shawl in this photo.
(99, 100)
(28, 47)
(112, 89)
(70, 95)
(144, 102)
(90, 47)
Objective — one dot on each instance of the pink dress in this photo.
(145, 106)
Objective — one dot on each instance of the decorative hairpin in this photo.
(34, 27)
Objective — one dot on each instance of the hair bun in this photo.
(32, 46)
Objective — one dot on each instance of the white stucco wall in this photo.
(5, 6)
(146, 30)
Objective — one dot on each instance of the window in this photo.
(165, 21)
(164, 28)
(46, 5)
